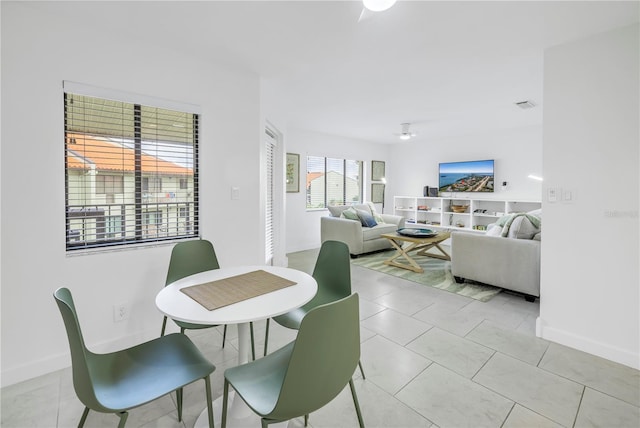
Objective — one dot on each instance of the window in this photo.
(152, 184)
(270, 150)
(114, 226)
(131, 170)
(333, 182)
(109, 184)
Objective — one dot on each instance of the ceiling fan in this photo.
(405, 134)
(372, 6)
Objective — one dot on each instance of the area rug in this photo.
(437, 274)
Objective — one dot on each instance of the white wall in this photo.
(41, 47)
(517, 153)
(590, 282)
(303, 227)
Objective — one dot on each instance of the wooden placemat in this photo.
(216, 294)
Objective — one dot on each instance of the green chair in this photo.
(306, 374)
(189, 258)
(119, 381)
(332, 272)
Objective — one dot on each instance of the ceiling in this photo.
(447, 67)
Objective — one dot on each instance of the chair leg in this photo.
(361, 369)
(83, 418)
(164, 326)
(266, 337)
(355, 402)
(225, 397)
(207, 385)
(179, 400)
(306, 420)
(123, 419)
(253, 344)
(224, 335)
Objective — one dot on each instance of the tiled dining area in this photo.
(431, 359)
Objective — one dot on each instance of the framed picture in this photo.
(377, 193)
(293, 173)
(377, 170)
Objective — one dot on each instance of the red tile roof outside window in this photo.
(85, 150)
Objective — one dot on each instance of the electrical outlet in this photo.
(121, 312)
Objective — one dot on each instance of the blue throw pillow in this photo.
(366, 219)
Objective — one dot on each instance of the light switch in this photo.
(552, 194)
(235, 193)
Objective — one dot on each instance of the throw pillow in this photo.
(336, 210)
(375, 214)
(366, 219)
(493, 230)
(522, 228)
(350, 213)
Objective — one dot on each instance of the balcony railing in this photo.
(102, 225)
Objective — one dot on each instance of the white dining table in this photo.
(177, 305)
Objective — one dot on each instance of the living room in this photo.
(584, 140)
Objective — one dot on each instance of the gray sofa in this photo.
(511, 262)
(360, 239)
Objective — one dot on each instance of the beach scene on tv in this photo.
(472, 176)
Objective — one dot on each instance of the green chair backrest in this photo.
(81, 357)
(191, 257)
(332, 272)
(324, 357)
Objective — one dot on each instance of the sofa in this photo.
(360, 236)
(507, 256)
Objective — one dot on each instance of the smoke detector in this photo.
(525, 105)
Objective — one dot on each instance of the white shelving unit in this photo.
(437, 212)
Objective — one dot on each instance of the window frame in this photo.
(345, 177)
(99, 234)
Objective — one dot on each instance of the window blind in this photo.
(270, 146)
(333, 181)
(131, 172)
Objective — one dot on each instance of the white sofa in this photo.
(360, 239)
(511, 262)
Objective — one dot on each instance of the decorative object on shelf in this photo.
(459, 208)
(377, 194)
(293, 173)
(460, 223)
(418, 233)
(440, 215)
(423, 208)
(377, 170)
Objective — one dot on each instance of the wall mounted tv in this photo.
(470, 176)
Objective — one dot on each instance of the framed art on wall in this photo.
(377, 193)
(377, 170)
(293, 173)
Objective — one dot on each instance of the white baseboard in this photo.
(604, 350)
(53, 363)
(34, 369)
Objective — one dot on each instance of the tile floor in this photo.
(432, 359)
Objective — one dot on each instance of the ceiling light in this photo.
(535, 177)
(405, 134)
(378, 5)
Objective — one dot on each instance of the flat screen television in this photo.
(470, 176)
